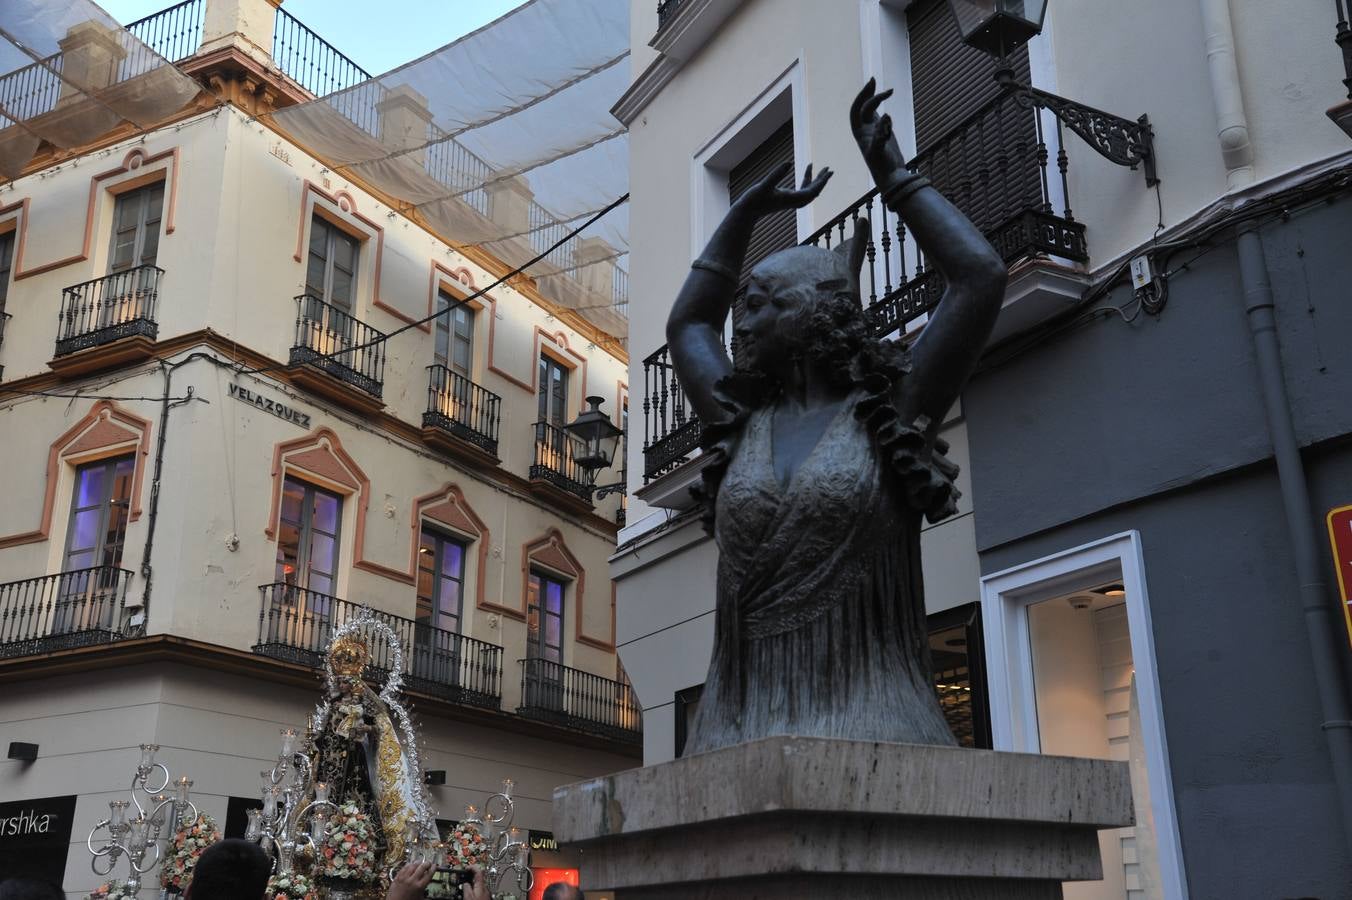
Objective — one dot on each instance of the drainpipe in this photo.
(1317, 603)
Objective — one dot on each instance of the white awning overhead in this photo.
(503, 139)
(70, 73)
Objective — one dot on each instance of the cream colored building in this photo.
(197, 494)
(1040, 622)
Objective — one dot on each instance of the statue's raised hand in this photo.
(768, 197)
(874, 134)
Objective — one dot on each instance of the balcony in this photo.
(59, 612)
(555, 470)
(553, 692)
(1003, 185)
(338, 355)
(296, 625)
(115, 313)
(460, 414)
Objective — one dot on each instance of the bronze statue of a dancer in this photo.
(825, 458)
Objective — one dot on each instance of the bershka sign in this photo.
(1340, 535)
(35, 837)
(267, 404)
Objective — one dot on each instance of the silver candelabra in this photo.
(289, 819)
(138, 838)
(505, 849)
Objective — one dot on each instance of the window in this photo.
(331, 274)
(307, 540)
(441, 581)
(136, 228)
(6, 264)
(544, 618)
(779, 230)
(441, 593)
(98, 514)
(553, 391)
(958, 661)
(455, 336)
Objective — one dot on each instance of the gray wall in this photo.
(1157, 426)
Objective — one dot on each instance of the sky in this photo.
(376, 36)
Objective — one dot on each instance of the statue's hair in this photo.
(830, 323)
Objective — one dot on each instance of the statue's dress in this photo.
(820, 619)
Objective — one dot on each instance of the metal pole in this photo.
(1315, 600)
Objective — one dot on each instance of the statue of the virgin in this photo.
(826, 458)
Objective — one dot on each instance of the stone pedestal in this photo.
(798, 818)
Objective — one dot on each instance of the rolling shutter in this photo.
(777, 231)
(987, 165)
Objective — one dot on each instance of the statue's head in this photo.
(794, 296)
(349, 655)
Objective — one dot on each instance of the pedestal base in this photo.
(798, 818)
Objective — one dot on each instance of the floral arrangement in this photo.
(187, 845)
(113, 890)
(349, 850)
(466, 847)
(291, 886)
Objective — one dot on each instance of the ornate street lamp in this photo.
(597, 438)
(999, 27)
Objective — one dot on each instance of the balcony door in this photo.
(544, 642)
(95, 537)
(454, 349)
(441, 594)
(307, 565)
(331, 285)
(136, 243)
(550, 439)
(6, 266)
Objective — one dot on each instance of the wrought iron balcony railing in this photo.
(556, 693)
(56, 612)
(308, 59)
(296, 625)
(555, 462)
(4, 320)
(174, 33)
(333, 340)
(109, 309)
(460, 407)
(671, 431)
(987, 166)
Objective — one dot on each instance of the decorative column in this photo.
(404, 119)
(91, 54)
(245, 25)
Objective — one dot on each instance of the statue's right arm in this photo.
(695, 326)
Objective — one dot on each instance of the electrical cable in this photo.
(451, 306)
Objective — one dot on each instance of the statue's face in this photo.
(768, 332)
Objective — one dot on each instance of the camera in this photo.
(456, 877)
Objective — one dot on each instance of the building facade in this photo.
(1131, 573)
(219, 450)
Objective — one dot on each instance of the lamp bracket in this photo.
(605, 489)
(1116, 139)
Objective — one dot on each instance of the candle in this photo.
(117, 813)
(181, 789)
(270, 802)
(319, 823)
(288, 741)
(148, 752)
(137, 837)
(513, 837)
(322, 791)
(472, 815)
(507, 788)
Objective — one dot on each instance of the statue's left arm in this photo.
(945, 354)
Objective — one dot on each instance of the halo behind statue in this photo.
(349, 656)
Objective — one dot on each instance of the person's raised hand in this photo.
(479, 889)
(766, 196)
(411, 882)
(877, 142)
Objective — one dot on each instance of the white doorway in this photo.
(1071, 667)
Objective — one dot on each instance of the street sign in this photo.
(1340, 534)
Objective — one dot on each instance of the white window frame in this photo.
(1005, 598)
(735, 140)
